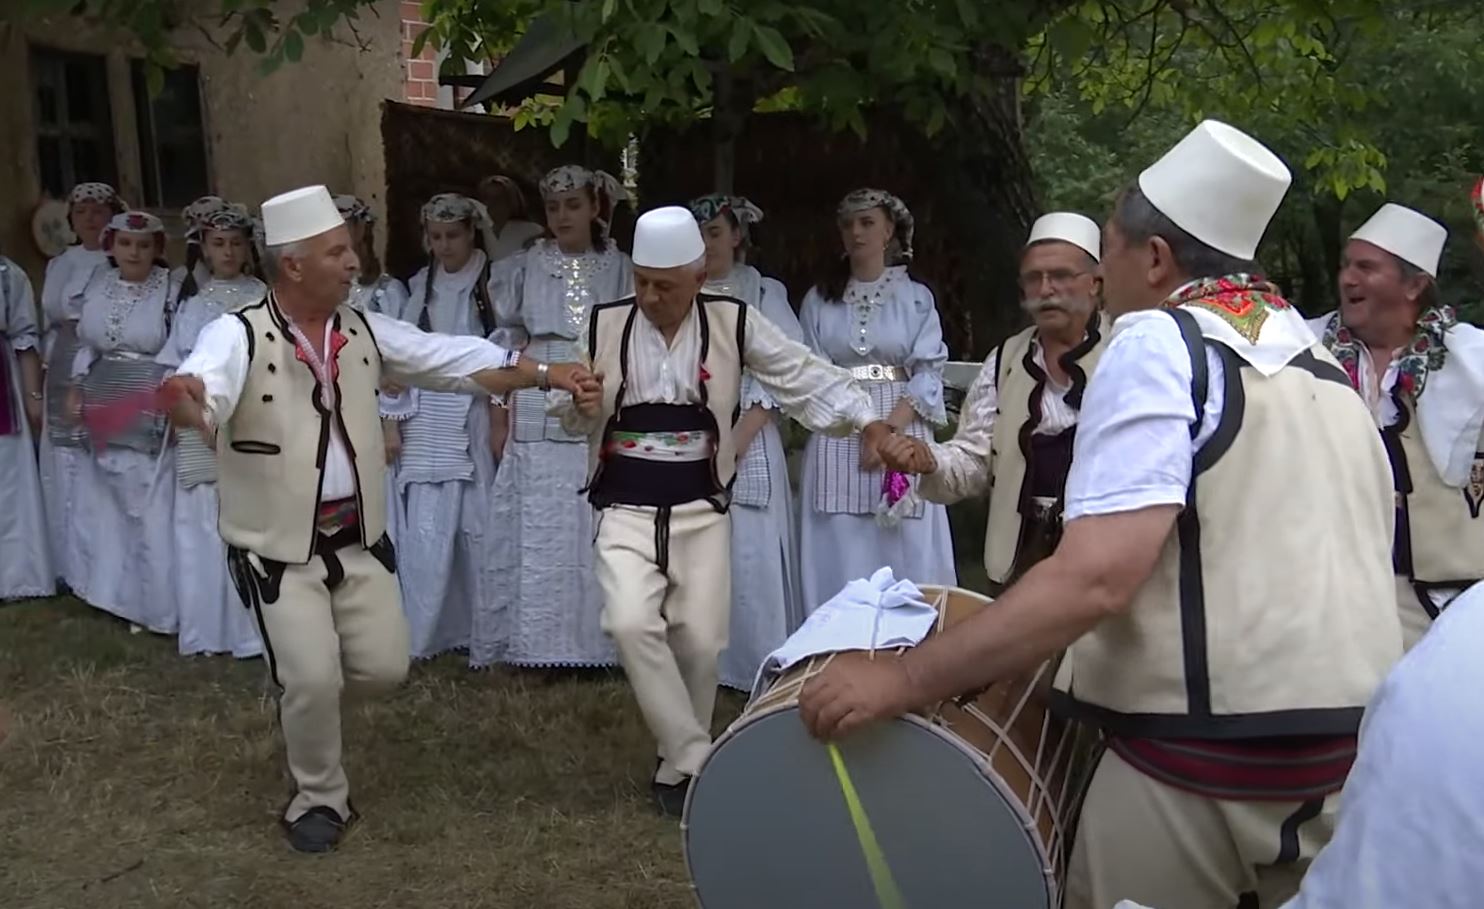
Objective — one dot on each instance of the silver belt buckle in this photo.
(876, 372)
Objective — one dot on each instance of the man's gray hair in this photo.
(273, 257)
(1138, 220)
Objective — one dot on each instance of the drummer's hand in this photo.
(848, 696)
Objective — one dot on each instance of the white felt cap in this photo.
(667, 238)
(298, 215)
(1409, 235)
(1219, 185)
(1070, 227)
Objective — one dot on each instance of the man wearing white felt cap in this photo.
(660, 413)
(1222, 584)
(288, 386)
(1030, 390)
(1421, 371)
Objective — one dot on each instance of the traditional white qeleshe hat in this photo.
(1409, 235)
(298, 215)
(1219, 185)
(667, 238)
(1069, 227)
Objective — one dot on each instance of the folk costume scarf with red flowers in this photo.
(1427, 351)
(1243, 301)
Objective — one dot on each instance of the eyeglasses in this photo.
(1032, 280)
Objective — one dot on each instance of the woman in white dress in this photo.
(869, 316)
(212, 616)
(446, 468)
(543, 602)
(376, 291)
(90, 205)
(126, 494)
(767, 604)
(511, 231)
(25, 553)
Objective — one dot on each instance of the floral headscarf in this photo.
(96, 192)
(232, 217)
(352, 209)
(708, 208)
(131, 222)
(446, 208)
(862, 199)
(608, 188)
(197, 211)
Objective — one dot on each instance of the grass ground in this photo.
(136, 777)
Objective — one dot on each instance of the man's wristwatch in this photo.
(543, 376)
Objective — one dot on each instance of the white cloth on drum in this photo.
(876, 613)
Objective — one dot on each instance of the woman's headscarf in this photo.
(605, 186)
(862, 199)
(132, 222)
(447, 208)
(352, 209)
(194, 213)
(708, 208)
(97, 192)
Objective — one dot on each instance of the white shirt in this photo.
(409, 356)
(963, 461)
(1412, 814)
(818, 394)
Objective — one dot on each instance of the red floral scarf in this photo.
(1242, 301)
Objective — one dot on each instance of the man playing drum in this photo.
(1223, 582)
(1030, 389)
(662, 463)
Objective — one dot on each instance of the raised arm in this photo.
(459, 363)
(808, 388)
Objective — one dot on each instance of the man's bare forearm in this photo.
(524, 374)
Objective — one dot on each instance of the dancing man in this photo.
(288, 387)
(659, 412)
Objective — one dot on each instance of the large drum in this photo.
(969, 802)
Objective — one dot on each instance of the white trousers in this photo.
(670, 626)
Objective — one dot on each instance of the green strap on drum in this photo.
(887, 894)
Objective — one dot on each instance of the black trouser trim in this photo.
(662, 538)
(1288, 837)
(1249, 900)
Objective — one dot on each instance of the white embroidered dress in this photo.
(213, 618)
(125, 498)
(61, 299)
(543, 604)
(25, 559)
(767, 600)
(891, 322)
(442, 481)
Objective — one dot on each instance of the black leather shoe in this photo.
(669, 798)
(319, 829)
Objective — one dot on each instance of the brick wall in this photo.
(420, 79)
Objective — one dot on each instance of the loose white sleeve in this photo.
(411, 356)
(1133, 447)
(963, 461)
(220, 360)
(808, 388)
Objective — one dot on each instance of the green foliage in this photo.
(1394, 113)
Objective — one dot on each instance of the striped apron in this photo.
(531, 421)
(195, 463)
(119, 375)
(63, 430)
(841, 486)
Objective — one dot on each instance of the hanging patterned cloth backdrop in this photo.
(431, 151)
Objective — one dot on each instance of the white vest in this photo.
(1440, 542)
(271, 453)
(1015, 385)
(1272, 610)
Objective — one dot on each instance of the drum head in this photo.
(766, 823)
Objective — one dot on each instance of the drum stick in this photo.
(887, 894)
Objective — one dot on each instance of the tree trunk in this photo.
(985, 177)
